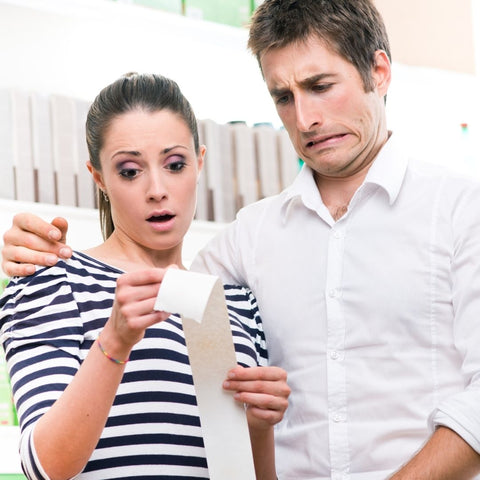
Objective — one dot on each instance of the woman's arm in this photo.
(66, 435)
(265, 392)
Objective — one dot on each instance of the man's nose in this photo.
(307, 113)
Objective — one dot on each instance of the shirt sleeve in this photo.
(460, 412)
(222, 257)
(41, 333)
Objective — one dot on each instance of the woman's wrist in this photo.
(110, 357)
(112, 349)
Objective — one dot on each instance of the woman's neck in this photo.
(128, 256)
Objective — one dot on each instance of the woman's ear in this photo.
(97, 176)
(382, 72)
(201, 159)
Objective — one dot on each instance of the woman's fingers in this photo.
(264, 390)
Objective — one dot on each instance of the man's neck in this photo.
(337, 193)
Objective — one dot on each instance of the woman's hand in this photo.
(264, 391)
(133, 310)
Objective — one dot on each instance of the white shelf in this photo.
(84, 226)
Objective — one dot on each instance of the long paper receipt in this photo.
(200, 300)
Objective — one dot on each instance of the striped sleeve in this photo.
(244, 313)
(41, 334)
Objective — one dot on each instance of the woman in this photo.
(101, 382)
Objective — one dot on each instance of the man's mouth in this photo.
(324, 140)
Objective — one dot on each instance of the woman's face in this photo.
(150, 171)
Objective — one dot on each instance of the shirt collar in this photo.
(303, 190)
(387, 171)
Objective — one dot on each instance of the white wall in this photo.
(427, 107)
(434, 33)
(75, 47)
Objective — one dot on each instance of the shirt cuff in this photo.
(442, 418)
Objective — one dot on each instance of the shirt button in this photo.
(334, 293)
(337, 418)
(334, 355)
(337, 235)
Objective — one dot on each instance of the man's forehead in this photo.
(300, 62)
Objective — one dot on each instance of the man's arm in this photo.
(32, 241)
(446, 456)
(449, 455)
(223, 256)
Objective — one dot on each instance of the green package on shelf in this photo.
(3, 284)
(234, 12)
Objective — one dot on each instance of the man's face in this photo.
(336, 127)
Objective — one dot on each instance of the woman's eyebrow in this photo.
(136, 153)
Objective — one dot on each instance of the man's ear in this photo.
(381, 72)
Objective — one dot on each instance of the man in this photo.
(366, 269)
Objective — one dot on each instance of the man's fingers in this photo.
(62, 225)
(20, 260)
(28, 222)
(32, 233)
(12, 269)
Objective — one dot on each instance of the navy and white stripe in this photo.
(48, 323)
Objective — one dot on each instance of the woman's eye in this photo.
(128, 173)
(176, 165)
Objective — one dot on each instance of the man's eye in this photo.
(128, 173)
(322, 87)
(282, 100)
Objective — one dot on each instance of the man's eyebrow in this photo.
(309, 81)
(279, 92)
(305, 83)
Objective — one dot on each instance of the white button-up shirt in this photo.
(375, 317)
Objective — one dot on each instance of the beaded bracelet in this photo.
(114, 360)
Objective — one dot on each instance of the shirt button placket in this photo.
(336, 375)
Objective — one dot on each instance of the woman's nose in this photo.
(156, 188)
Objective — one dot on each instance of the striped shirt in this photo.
(49, 321)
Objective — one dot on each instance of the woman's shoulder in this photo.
(245, 320)
(79, 271)
(236, 295)
(85, 270)
(242, 305)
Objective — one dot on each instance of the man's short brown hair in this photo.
(354, 29)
